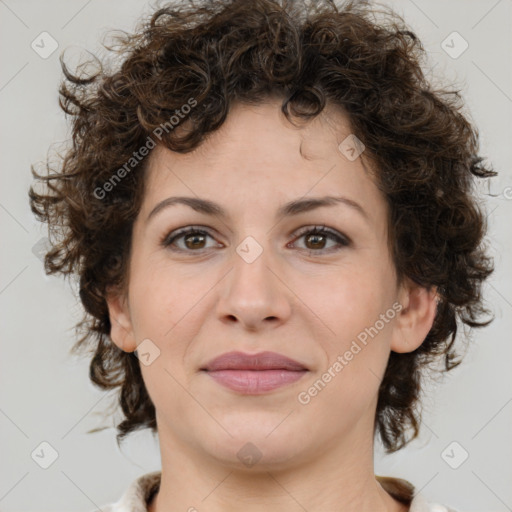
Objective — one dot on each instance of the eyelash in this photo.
(342, 240)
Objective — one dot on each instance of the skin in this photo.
(306, 304)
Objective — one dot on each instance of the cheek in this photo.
(169, 308)
(160, 298)
(356, 356)
(350, 310)
(347, 300)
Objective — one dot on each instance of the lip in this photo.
(254, 374)
(260, 361)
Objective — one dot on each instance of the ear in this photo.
(121, 331)
(415, 319)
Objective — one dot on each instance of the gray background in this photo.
(45, 394)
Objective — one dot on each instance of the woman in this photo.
(272, 217)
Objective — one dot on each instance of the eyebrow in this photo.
(292, 208)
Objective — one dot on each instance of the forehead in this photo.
(257, 158)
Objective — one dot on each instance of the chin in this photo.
(250, 447)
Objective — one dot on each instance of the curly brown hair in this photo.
(423, 149)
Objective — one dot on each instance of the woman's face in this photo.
(255, 279)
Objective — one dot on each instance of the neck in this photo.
(339, 479)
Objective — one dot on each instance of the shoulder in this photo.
(136, 496)
(405, 492)
(419, 504)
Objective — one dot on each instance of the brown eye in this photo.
(193, 239)
(317, 238)
(317, 241)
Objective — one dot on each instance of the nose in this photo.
(254, 294)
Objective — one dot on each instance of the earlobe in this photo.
(415, 319)
(121, 331)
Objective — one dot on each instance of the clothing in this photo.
(141, 491)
